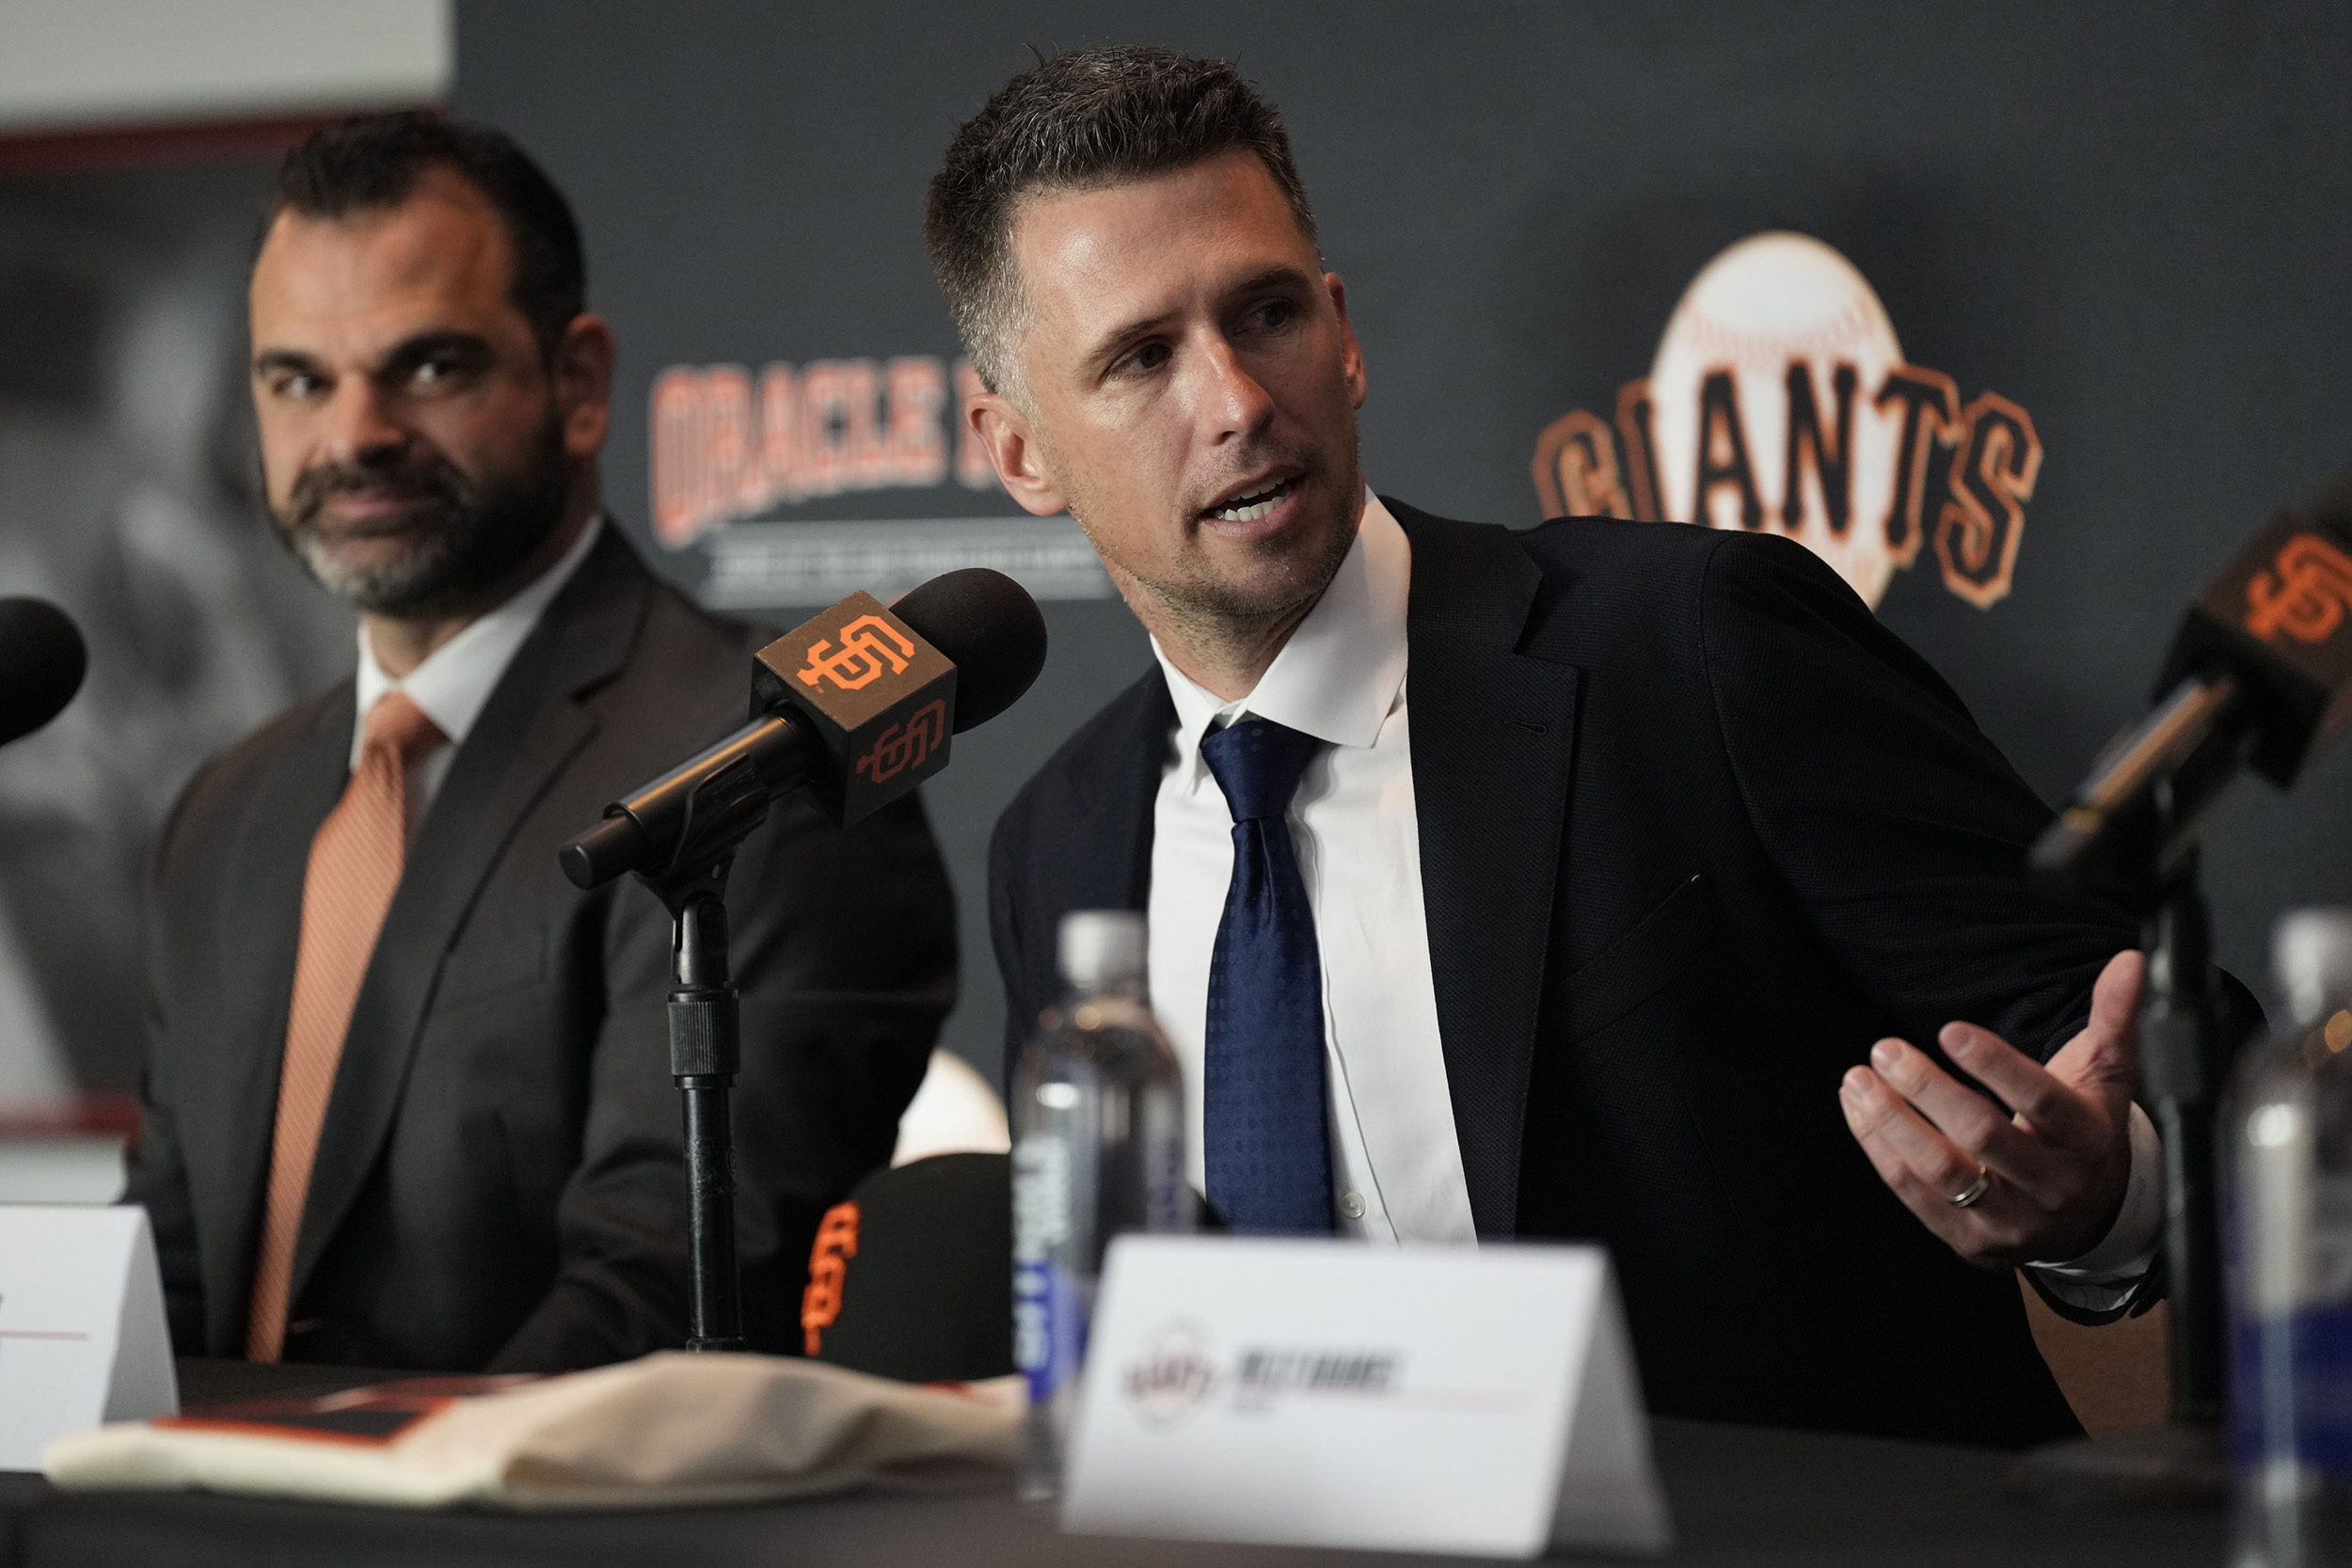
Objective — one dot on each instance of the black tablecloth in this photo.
(1741, 1496)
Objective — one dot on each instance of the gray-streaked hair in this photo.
(1080, 121)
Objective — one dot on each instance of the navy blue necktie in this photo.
(1267, 1136)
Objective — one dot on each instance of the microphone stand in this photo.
(2259, 676)
(2181, 1054)
(2184, 1051)
(706, 1053)
(716, 813)
(705, 1034)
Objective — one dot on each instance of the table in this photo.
(1741, 1495)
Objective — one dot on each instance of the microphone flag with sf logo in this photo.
(2279, 614)
(882, 700)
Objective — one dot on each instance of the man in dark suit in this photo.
(408, 1099)
(1591, 938)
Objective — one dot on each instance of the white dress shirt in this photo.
(1396, 1165)
(454, 682)
(1396, 1169)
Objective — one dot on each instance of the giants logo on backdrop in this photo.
(1780, 399)
(727, 443)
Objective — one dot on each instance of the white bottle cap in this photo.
(2312, 952)
(1102, 948)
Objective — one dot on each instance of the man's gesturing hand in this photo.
(2059, 1167)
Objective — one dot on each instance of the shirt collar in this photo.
(1340, 671)
(453, 684)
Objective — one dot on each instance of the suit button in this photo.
(1352, 1205)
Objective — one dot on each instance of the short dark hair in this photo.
(1078, 121)
(372, 161)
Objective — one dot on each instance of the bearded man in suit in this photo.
(409, 1100)
(1622, 927)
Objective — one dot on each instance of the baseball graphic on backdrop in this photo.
(1781, 326)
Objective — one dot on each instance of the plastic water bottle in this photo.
(2290, 1257)
(1098, 1113)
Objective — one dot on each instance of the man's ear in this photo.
(1005, 434)
(1351, 353)
(582, 372)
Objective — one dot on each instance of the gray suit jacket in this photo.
(499, 1183)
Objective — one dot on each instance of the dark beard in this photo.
(463, 537)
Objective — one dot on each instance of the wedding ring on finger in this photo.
(1977, 1189)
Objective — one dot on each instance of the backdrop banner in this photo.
(2021, 320)
(128, 496)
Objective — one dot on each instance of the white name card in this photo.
(82, 1335)
(1332, 1394)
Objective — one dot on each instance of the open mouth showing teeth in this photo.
(1258, 503)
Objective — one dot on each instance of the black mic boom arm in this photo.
(702, 808)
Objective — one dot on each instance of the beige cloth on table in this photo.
(669, 1430)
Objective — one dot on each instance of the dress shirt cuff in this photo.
(2125, 1254)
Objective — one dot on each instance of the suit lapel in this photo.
(1494, 742)
(1115, 785)
(518, 747)
(260, 926)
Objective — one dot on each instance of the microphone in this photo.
(857, 704)
(2260, 675)
(42, 660)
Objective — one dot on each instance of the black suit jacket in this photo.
(499, 1183)
(1695, 830)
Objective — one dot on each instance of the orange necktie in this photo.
(356, 861)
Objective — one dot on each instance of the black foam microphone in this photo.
(42, 660)
(856, 704)
(2260, 675)
(990, 626)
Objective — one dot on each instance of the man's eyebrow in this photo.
(404, 353)
(1111, 343)
(1282, 272)
(424, 344)
(283, 360)
(1114, 342)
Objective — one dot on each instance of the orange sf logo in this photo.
(904, 746)
(828, 1266)
(2305, 595)
(869, 645)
